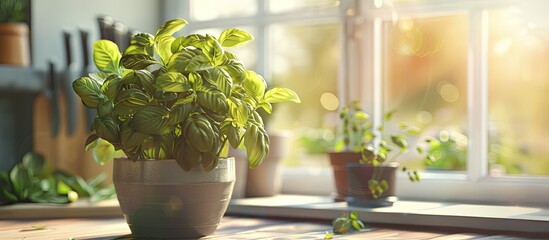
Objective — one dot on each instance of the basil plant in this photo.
(177, 97)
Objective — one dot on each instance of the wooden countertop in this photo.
(232, 227)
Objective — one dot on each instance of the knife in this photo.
(106, 27)
(69, 77)
(51, 92)
(120, 31)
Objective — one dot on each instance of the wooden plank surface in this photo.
(230, 228)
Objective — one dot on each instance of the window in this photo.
(424, 79)
(472, 64)
(464, 70)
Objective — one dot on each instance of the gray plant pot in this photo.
(339, 161)
(359, 194)
(161, 200)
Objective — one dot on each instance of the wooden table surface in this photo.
(230, 228)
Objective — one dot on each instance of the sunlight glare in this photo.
(329, 101)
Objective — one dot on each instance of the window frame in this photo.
(360, 78)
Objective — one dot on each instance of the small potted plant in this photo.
(14, 32)
(173, 105)
(372, 181)
(354, 131)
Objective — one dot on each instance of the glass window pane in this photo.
(281, 6)
(246, 53)
(518, 85)
(425, 84)
(204, 10)
(307, 64)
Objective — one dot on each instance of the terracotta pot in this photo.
(161, 200)
(241, 168)
(359, 195)
(14, 44)
(266, 179)
(339, 161)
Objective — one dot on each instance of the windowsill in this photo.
(432, 214)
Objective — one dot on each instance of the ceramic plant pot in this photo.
(161, 200)
(14, 44)
(359, 194)
(339, 161)
(266, 179)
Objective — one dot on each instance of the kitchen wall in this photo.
(51, 17)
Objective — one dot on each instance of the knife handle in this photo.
(51, 76)
(105, 27)
(85, 48)
(67, 42)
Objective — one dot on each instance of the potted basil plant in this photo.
(353, 132)
(372, 181)
(173, 105)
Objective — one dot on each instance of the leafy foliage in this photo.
(344, 223)
(356, 128)
(358, 134)
(12, 11)
(33, 181)
(182, 97)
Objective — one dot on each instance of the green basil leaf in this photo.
(179, 112)
(105, 108)
(111, 86)
(235, 68)
(170, 27)
(254, 84)
(186, 155)
(400, 141)
(88, 90)
(194, 40)
(130, 138)
(198, 132)
(232, 133)
(107, 128)
(21, 181)
(137, 61)
(180, 60)
(257, 145)
(152, 119)
(141, 43)
(276, 95)
(91, 141)
(234, 37)
(172, 82)
(212, 99)
(158, 146)
(163, 46)
(103, 152)
(209, 161)
(146, 81)
(222, 80)
(266, 106)
(132, 98)
(213, 50)
(239, 111)
(106, 56)
(198, 63)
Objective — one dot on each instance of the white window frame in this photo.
(360, 78)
